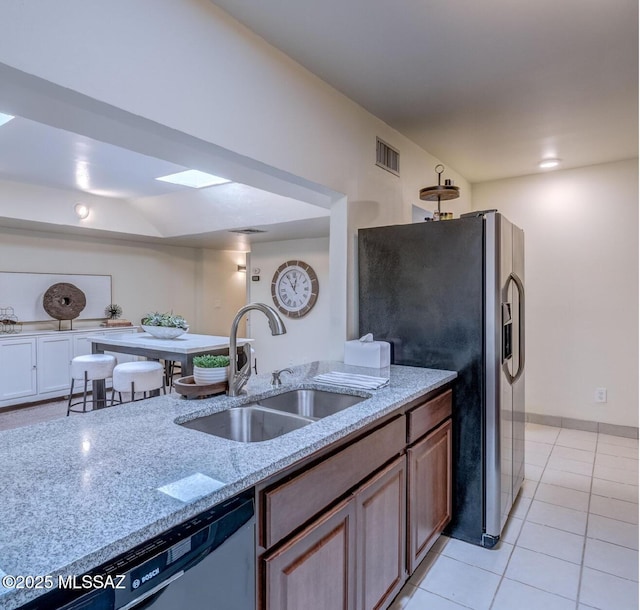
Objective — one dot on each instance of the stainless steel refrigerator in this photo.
(450, 295)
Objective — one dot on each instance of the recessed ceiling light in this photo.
(5, 118)
(194, 179)
(548, 163)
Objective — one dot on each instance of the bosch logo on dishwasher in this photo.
(150, 575)
(145, 574)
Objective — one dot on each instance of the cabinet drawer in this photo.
(428, 416)
(288, 505)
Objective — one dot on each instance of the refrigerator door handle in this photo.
(505, 293)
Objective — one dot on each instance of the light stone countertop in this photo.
(184, 344)
(77, 491)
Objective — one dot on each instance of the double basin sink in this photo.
(274, 416)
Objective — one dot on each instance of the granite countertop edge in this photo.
(242, 465)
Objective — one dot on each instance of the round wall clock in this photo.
(294, 288)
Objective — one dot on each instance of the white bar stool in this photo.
(143, 376)
(89, 368)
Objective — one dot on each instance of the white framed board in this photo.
(24, 292)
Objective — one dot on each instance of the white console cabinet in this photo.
(53, 357)
(18, 381)
(36, 366)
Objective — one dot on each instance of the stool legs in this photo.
(84, 395)
(170, 372)
(70, 397)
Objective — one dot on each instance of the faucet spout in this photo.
(239, 377)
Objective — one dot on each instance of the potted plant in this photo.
(208, 369)
(164, 325)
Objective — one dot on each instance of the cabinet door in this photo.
(81, 344)
(381, 535)
(54, 360)
(17, 368)
(429, 492)
(315, 570)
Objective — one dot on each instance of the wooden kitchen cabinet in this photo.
(428, 491)
(346, 530)
(351, 557)
(290, 504)
(316, 569)
(380, 537)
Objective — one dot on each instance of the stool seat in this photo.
(142, 376)
(97, 366)
(91, 367)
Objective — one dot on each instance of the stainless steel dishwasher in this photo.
(207, 563)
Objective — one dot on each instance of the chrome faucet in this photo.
(275, 377)
(238, 378)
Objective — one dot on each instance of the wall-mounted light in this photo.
(82, 210)
(549, 163)
(242, 268)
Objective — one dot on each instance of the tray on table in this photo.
(189, 389)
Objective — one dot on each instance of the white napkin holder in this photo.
(367, 352)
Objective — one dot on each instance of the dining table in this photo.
(182, 349)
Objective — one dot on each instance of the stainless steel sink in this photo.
(248, 424)
(310, 403)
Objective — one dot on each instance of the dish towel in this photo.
(351, 380)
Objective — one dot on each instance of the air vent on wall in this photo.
(247, 231)
(387, 157)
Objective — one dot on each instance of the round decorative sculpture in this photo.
(64, 301)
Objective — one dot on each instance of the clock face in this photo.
(294, 288)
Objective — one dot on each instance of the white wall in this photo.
(581, 243)
(295, 347)
(220, 290)
(149, 57)
(145, 277)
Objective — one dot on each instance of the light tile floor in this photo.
(571, 542)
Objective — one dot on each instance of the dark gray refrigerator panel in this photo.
(421, 289)
(449, 295)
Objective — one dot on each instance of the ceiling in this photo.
(38, 154)
(490, 88)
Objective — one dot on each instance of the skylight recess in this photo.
(5, 118)
(193, 178)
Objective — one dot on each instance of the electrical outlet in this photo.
(601, 395)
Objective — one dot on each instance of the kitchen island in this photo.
(79, 491)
